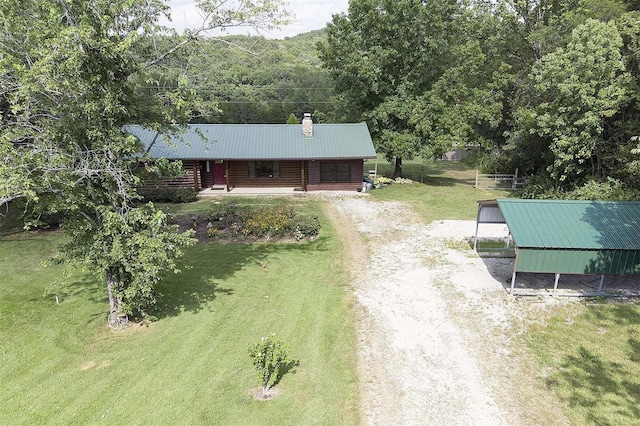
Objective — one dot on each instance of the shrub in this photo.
(304, 226)
(270, 359)
(224, 217)
(382, 180)
(609, 189)
(402, 181)
(213, 232)
(167, 194)
(268, 221)
(496, 161)
(541, 187)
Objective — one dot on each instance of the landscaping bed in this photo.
(247, 224)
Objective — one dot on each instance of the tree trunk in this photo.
(116, 319)
(397, 172)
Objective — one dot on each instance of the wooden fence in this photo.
(509, 182)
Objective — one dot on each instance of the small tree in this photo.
(293, 119)
(270, 359)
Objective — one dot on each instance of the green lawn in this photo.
(589, 354)
(60, 364)
(441, 190)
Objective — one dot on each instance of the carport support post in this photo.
(601, 284)
(475, 238)
(555, 285)
(515, 268)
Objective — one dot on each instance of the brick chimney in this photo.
(307, 126)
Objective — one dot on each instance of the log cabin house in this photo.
(227, 156)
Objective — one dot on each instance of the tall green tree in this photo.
(585, 85)
(73, 74)
(527, 35)
(385, 54)
(464, 106)
(575, 92)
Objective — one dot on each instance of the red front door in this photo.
(219, 177)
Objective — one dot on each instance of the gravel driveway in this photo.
(435, 320)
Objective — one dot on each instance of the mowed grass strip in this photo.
(60, 364)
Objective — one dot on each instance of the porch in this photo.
(221, 191)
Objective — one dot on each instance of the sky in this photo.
(308, 15)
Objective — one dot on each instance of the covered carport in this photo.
(573, 237)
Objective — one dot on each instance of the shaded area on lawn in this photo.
(606, 391)
(208, 265)
(593, 360)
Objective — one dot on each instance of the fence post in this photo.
(515, 179)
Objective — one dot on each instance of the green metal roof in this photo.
(573, 224)
(575, 237)
(260, 142)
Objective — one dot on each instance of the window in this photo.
(264, 169)
(335, 172)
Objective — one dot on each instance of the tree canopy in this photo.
(549, 87)
(416, 72)
(572, 113)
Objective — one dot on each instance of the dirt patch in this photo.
(88, 365)
(258, 395)
(437, 328)
(92, 364)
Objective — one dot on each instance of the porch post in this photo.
(226, 174)
(196, 166)
(304, 184)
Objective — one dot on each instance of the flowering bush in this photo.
(304, 226)
(268, 221)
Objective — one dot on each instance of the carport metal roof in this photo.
(574, 237)
(572, 224)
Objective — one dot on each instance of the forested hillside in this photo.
(253, 79)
